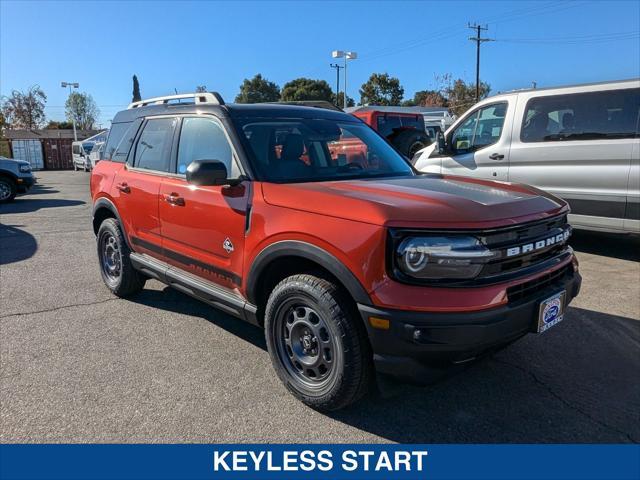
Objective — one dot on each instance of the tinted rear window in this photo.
(388, 123)
(582, 116)
(121, 136)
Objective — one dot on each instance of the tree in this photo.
(427, 98)
(381, 89)
(136, 90)
(306, 89)
(82, 108)
(55, 125)
(25, 109)
(258, 90)
(339, 101)
(461, 96)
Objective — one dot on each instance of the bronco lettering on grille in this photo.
(540, 244)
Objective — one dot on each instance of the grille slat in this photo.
(524, 290)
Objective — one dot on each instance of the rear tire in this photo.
(8, 190)
(409, 142)
(116, 268)
(317, 344)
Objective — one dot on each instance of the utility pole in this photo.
(337, 67)
(478, 29)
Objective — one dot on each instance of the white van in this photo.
(581, 143)
(80, 152)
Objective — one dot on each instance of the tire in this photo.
(408, 142)
(312, 326)
(8, 190)
(116, 268)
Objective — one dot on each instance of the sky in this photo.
(173, 45)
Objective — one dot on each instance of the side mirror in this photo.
(441, 143)
(207, 173)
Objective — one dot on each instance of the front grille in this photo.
(504, 239)
(524, 290)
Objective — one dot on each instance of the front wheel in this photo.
(8, 190)
(317, 345)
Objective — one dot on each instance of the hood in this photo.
(421, 201)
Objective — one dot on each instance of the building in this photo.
(47, 149)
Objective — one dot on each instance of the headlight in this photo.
(442, 257)
(25, 168)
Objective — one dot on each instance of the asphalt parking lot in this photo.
(80, 365)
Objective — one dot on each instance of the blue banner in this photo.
(319, 461)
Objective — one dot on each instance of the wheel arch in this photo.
(275, 261)
(104, 208)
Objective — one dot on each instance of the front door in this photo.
(203, 227)
(479, 146)
(137, 185)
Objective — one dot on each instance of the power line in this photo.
(478, 41)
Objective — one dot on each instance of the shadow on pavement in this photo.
(537, 390)
(15, 244)
(624, 247)
(39, 189)
(174, 301)
(26, 204)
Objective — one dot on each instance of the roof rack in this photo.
(207, 98)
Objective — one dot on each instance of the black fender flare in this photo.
(296, 248)
(104, 202)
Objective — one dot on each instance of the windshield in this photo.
(298, 150)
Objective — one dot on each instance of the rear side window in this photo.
(154, 145)
(582, 116)
(388, 123)
(121, 136)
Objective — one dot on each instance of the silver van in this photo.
(581, 143)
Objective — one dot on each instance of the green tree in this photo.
(381, 89)
(81, 108)
(339, 100)
(136, 90)
(306, 89)
(427, 98)
(24, 109)
(258, 90)
(55, 125)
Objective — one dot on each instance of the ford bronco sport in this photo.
(350, 267)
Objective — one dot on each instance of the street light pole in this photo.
(73, 118)
(346, 56)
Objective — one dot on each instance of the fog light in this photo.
(379, 323)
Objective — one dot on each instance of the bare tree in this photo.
(24, 109)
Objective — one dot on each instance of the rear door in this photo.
(203, 227)
(480, 144)
(136, 186)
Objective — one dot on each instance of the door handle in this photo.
(496, 156)
(174, 199)
(123, 187)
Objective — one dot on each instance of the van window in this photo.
(203, 138)
(481, 129)
(582, 116)
(76, 149)
(152, 149)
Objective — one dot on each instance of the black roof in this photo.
(236, 110)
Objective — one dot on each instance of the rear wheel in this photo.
(409, 142)
(115, 265)
(8, 190)
(318, 347)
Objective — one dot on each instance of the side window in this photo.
(203, 138)
(154, 144)
(581, 116)
(76, 149)
(481, 129)
(119, 141)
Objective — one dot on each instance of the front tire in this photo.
(116, 268)
(8, 190)
(317, 345)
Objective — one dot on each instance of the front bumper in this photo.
(415, 342)
(25, 183)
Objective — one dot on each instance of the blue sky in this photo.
(218, 44)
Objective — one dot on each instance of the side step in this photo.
(185, 282)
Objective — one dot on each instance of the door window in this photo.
(582, 116)
(481, 129)
(203, 138)
(154, 144)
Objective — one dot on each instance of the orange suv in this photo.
(350, 265)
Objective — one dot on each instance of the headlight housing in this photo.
(441, 257)
(25, 168)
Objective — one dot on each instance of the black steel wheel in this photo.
(317, 343)
(8, 190)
